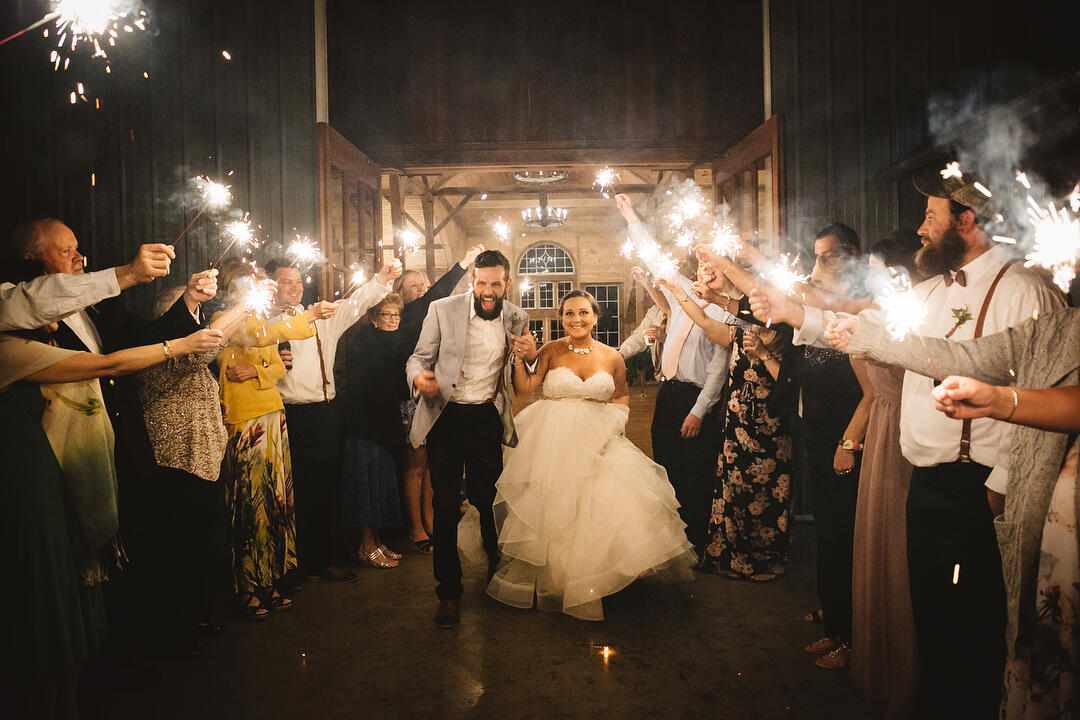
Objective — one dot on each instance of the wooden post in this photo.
(396, 218)
(427, 201)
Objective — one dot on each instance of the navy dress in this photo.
(373, 440)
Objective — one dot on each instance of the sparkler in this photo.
(410, 241)
(526, 287)
(952, 170)
(1022, 178)
(215, 196)
(1074, 198)
(605, 180)
(784, 274)
(502, 230)
(257, 295)
(304, 252)
(904, 311)
(96, 22)
(1057, 243)
(724, 240)
(627, 249)
(241, 233)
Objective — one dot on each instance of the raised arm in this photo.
(1055, 409)
(87, 366)
(720, 333)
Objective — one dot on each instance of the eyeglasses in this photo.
(389, 316)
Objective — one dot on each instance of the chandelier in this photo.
(540, 176)
(544, 216)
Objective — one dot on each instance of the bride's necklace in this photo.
(580, 351)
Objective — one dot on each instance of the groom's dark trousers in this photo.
(465, 438)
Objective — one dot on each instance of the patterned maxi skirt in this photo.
(259, 501)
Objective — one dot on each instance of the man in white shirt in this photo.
(648, 335)
(960, 472)
(459, 370)
(50, 298)
(685, 433)
(308, 391)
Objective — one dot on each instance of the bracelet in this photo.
(685, 299)
(1016, 403)
(167, 350)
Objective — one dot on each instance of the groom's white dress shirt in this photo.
(485, 348)
(51, 298)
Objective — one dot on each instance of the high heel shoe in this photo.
(377, 559)
(389, 553)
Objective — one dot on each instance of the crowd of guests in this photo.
(942, 469)
(947, 573)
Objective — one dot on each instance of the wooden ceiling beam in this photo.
(452, 213)
(550, 189)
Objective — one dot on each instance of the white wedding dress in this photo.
(581, 511)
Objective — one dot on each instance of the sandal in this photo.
(822, 646)
(377, 559)
(764, 577)
(838, 659)
(389, 553)
(280, 603)
(816, 617)
(256, 610)
(425, 546)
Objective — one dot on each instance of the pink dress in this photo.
(884, 654)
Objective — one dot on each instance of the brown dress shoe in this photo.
(448, 614)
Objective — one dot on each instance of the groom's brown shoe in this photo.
(448, 614)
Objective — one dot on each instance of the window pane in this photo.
(528, 298)
(536, 327)
(547, 295)
(545, 258)
(607, 327)
(555, 329)
(564, 287)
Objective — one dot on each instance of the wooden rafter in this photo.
(453, 213)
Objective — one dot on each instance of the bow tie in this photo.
(958, 277)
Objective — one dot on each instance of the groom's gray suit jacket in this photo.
(441, 348)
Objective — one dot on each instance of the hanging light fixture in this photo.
(540, 176)
(543, 215)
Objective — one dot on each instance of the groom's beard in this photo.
(487, 314)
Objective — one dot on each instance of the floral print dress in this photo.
(748, 529)
(1040, 677)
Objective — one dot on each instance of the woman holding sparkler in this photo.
(748, 530)
(373, 441)
(260, 497)
(58, 496)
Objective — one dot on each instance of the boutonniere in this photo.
(961, 316)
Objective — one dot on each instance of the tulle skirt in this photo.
(582, 512)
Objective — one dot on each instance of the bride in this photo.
(581, 511)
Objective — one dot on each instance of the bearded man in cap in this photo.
(960, 477)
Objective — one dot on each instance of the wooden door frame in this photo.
(764, 140)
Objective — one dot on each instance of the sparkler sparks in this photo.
(784, 274)
(952, 170)
(605, 180)
(95, 22)
(723, 240)
(257, 295)
(526, 287)
(410, 241)
(1022, 178)
(1057, 243)
(627, 249)
(215, 195)
(1074, 199)
(241, 232)
(904, 311)
(304, 252)
(982, 188)
(502, 230)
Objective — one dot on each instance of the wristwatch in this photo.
(851, 445)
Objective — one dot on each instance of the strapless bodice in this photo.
(562, 383)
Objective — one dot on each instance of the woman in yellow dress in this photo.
(259, 493)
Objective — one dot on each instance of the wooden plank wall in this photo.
(863, 84)
(414, 75)
(195, 113)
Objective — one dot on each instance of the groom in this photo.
(460, 371)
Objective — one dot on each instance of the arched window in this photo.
(545, 259)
